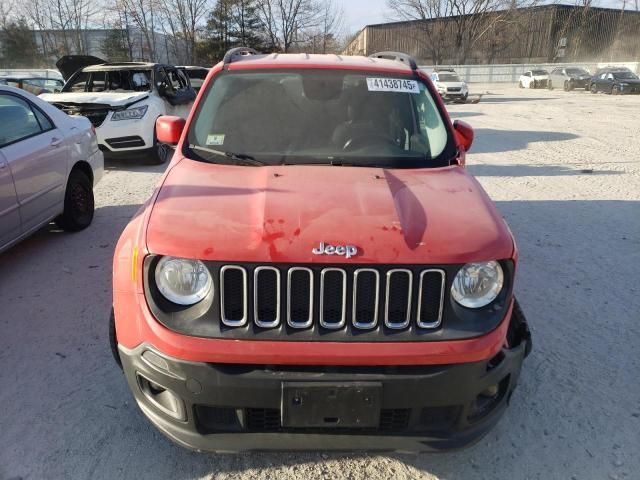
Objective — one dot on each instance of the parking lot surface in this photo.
(564, 169)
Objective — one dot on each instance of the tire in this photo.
(550, 85)
(593, 88)
(113, 342)
(571, 85)
(78, 203)
(615, 90)
(159, 153)
(465, 96)
(566, 86)
(520, 84)
(535, 84)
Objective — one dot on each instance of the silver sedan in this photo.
(49, 164)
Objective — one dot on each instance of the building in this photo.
(129, 44)
(548, 33)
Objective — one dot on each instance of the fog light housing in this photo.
(162, 398)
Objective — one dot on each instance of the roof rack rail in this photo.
(236, 53)
(398, 56)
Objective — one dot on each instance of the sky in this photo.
(359, 13)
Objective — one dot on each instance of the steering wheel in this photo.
(361, 140)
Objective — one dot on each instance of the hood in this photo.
(452, 84)
(114, 99)
(70, 64)
(279, 214)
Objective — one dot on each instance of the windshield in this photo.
(625, 76)
(320, 117)
(448, 77)
(110, 81)
(577, 71)
(540, 72)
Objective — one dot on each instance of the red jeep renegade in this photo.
(317, 269)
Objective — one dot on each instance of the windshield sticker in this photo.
(215, 139)
(392, 85)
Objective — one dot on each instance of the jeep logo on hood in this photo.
(347, 251)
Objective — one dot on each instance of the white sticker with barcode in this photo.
(392, 85)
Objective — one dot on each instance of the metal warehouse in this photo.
(549, 33)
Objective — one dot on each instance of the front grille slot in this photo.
(300, 297)
(398, 300)
(430, 298)
(233, 296)
(366, 292)
(266, 297)
(333, 298)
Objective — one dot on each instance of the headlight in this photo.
(129, 113)
(183, 281)
(477, 284)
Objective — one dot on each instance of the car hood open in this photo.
(70, 64)
(114, 99)
(279, 214)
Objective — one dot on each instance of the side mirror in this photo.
(464, 134)
(169, 129)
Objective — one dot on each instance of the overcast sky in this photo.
(359, 13)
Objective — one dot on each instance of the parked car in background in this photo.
(534, 79)
(449, 84)
(196, 75)
(569, 78)
(615, 82)
(49, 164)
(35, 85)
(123, 101)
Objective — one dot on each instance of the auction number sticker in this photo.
(392, 85)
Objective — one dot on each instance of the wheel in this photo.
(550, 85)
(615, 90)
(113, 343)
(78, 203)
(160, 152)
(520, 84)
(465, 96)
(571, 85)
(566, 86)
(593, 88)
(535, 84)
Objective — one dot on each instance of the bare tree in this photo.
(144, 15)
(286, 22)
(183, 18)
(462, 23)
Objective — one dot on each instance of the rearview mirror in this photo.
(464, 134)
(169, 129)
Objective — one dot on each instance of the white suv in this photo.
(449, 85)
(123, 101)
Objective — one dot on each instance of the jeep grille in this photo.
(362, 297)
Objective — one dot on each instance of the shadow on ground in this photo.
(489, 140)
(563, 419)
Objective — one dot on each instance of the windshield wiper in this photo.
(238, 158)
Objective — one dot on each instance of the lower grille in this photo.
(263, 419)
(125, 142)
(394, 419)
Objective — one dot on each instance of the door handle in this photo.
(3, 166)
(55, 142)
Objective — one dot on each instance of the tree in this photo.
(183, 19)
(19, 47)
(114, 47)
(286, 21)
(232, 23)
(466, 22)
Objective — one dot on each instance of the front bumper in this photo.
(123, 137)
(220, 407)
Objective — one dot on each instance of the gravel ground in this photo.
(564, 169)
